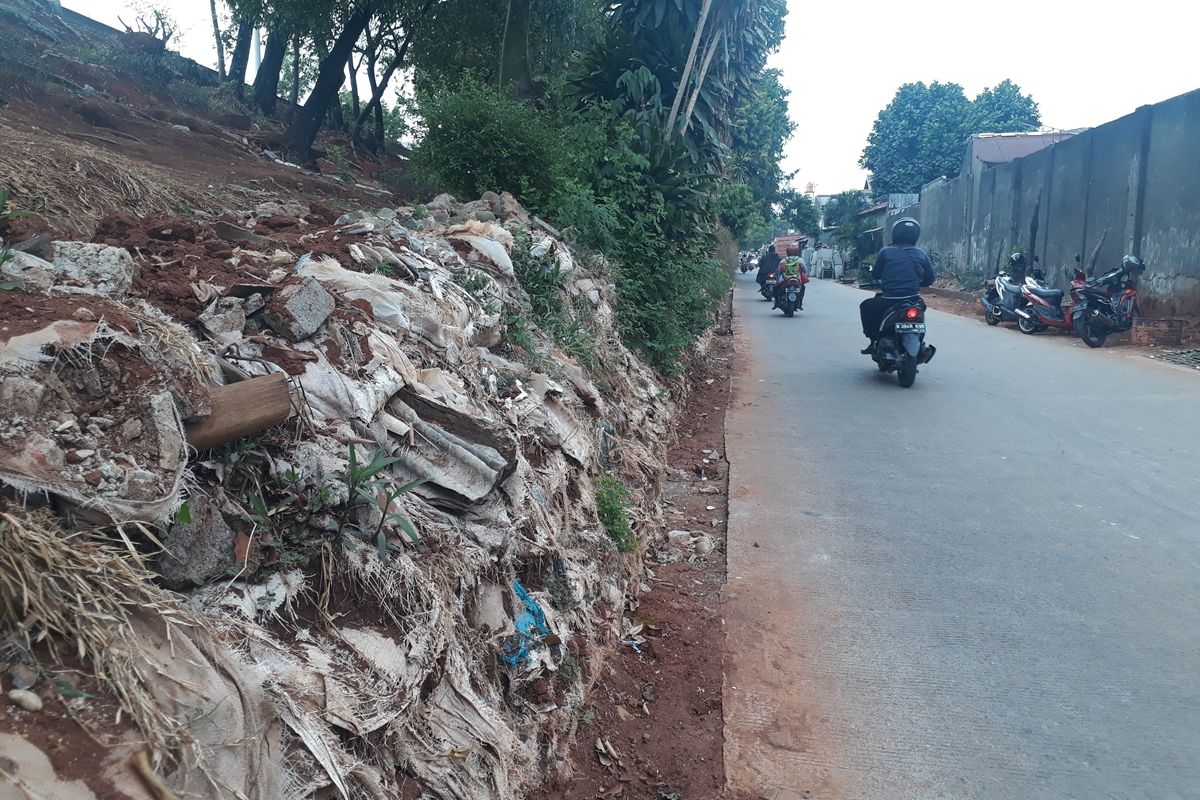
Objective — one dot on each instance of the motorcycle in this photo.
(787, 298)
(768, 286)
(1002, 300)
(901, 343)
(1043, 306)
(745, 264)
(1107, 304)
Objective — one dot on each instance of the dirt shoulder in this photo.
(658, 704)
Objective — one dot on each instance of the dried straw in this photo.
(85, 590)
(74, 184)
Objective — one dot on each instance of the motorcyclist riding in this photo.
(768, 263)
(792, 266)
(901, 269)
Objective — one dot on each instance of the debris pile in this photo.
(366, 502)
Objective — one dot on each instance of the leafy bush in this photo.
(479, 140)
(612, 507)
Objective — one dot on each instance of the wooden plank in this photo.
(242, 409)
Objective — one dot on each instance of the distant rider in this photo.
(901, 269)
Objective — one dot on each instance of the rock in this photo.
(25, 699)
(171, 454)
(20, 396)
(254, 303)
(142, 485)
(41, 245)
(224, 320)
(181, 128)
(485, 216)
(704, 544)
(104, 269)
(679, 539)
(79, 456)
(31, 271)
(511, 209)
(443, 202)
(84, 314)
(131, 428)
(199, 551)
(44, 453)
(299, 310)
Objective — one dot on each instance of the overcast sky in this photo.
(1085, 63)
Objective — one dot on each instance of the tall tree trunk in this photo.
(212, 6)
(687, 67)
(708, 57)
(266, 82)
(353, 70)
(515, 73)
(241, 56)
(376, 104)
(294, 97)
(332, 73)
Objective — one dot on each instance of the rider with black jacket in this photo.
(901, 269)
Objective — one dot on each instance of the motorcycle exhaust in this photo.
(1104, 322)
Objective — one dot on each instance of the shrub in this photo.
(479, 140)
(612, 507)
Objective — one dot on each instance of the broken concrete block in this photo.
(704, 544)
(171, 453)
(20, 396)
(679, 539)
(104, 269)
(297, 311)
(225, 319)
(199, 551)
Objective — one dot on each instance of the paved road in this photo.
(986, 586)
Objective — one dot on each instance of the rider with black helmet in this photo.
(901, 269)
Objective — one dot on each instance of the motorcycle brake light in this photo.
(912, 312)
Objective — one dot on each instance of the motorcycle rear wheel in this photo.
(908, 372)
(1029, 326)
(991, 318)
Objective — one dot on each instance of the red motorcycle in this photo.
(1043, 305)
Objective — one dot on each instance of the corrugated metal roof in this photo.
(999, 148)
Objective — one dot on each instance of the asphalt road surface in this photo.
(986, 586)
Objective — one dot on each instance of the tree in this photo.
(843, 208)
(1004, 109)
(330, 77)
(216, 23)
(737, 210)
(799, 211)
(761, 127)
(920, 135)
(515, 72)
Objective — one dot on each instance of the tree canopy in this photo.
(920, 135)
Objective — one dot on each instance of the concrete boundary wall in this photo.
(1133, 183)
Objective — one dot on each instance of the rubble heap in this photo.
(403, 578)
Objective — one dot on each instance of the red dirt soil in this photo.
(661, 709)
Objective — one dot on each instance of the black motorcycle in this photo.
(901, 343)
(1108, 304)
(767, 288)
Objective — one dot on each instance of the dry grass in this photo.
(73, 184)
(83, 590)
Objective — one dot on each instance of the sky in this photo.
(1085, 63)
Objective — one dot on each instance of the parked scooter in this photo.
(1002, 299)
(1108, 304)
(1043, 306)
(901, 343)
